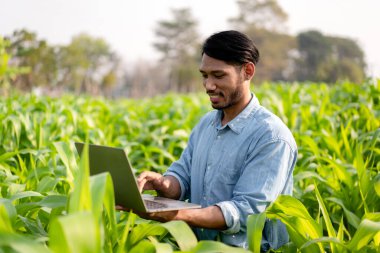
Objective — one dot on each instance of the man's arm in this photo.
(210, 217)
(168, 186)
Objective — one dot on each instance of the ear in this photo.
(249, 70)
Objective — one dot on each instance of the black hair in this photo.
(232, 47)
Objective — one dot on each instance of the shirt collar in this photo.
(241, 120)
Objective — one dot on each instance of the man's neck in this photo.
(233, 111)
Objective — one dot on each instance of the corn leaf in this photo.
(80, 198)
(182, 233)
(255, 225)
(330, 229)
(21, 244)
(77, 232)
(367, 230)
(215, 247)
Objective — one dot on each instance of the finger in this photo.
(141, 184)
(149, 175)
(144, 174)
(148, 179)
(121, 208)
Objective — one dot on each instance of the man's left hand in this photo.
(159, 216)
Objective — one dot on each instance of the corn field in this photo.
(50, 203)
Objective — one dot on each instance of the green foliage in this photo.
(7, 73)
(87, 64)
(262, 15)
(309, 56)
(328, 59)
(48, 202)
(256, 224)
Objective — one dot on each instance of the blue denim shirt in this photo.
(241, 167)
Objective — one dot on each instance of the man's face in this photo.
(223, 82)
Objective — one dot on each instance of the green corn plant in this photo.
(336, 129)
(308, 236)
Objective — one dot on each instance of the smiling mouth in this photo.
(214, 98)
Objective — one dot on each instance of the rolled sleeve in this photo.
(266, 173)
(231, 216)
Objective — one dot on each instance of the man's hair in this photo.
(232, 47)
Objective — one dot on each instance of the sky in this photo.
(128, 26)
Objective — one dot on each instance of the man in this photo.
(239, 158)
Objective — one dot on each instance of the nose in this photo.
(209, 84)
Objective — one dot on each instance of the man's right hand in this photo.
(166, 186)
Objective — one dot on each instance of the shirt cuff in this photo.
(231, 216)
(182, 186)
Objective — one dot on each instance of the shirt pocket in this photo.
(228, 169)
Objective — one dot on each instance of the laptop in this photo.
(115, 161)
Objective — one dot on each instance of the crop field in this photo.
(50, 203)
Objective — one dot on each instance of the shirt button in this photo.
(218, 136)
(208, 167)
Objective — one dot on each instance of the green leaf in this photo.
(7, 155)
(330, 229)
(334, 241)
(255, 226)
(26, 194)
(300, 225)
(5, 218)
(47, 184)
(144, 230)
(143, 246)
(68, 159)
(77, 232)
(182, 233)
(9, 209)
(53, 201)
(124, 238)
(160, 247)
(215, 247)
(80, 198)
(350, 216)
(367, 230)
(102, 195)
(21, 244)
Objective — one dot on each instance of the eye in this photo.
(219, 76)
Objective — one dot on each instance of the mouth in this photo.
(215, 97)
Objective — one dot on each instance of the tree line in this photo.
(89, 65)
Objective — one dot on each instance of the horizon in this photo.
(58, 21)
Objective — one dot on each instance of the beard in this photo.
(231, 100)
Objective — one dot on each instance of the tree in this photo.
(260, 14)
(314, 51)
(37, 55)
(178, 42)
(348, 58)
(328, 59)
(87, 64)
(264, 22)
(275, 55)
(7, 73)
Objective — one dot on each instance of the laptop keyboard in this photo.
(153, 205)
